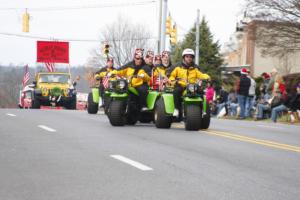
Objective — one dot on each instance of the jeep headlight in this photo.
(44, 91)
(66, 92)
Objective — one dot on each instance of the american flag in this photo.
(50, 66)
(160, 81)
(26, 76)
(105, 82)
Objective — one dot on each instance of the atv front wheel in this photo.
(116, 113)
(193, 117)
(161, 119)
(92, 107)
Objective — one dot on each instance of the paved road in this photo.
(47, 154)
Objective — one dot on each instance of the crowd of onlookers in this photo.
(247, 99)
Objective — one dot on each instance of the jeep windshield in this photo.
(54, 78)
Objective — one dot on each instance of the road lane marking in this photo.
(132, 162)
(266, 126)
(249, 139)
(254, 140)
(46, 128)
(12, 115)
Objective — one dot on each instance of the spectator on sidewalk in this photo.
(272, 80)
(210, 92)
(262, 106)
(242, 87)
(251, 96)
(222, 98)
(295, 105)
(232, 103)
(266, 79)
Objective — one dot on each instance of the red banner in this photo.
(52, 52)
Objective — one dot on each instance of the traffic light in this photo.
(168, 25)
(173, 35)
(25, 22)
(106, 49)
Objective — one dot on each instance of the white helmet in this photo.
(188, 52)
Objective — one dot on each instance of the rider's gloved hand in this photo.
(108, 74)
(141, 75)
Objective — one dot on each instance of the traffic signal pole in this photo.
(197, 37)
(159, 27)
(163, 25)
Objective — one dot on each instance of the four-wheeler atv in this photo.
(124, 107)
(95, 97)
(54, 89)
(195, 109)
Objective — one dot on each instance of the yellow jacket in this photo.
(159, 70)
(142, 74)
(187, 75)
(104, 72)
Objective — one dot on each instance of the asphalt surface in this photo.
(59, 154)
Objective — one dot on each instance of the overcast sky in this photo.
(88, 23)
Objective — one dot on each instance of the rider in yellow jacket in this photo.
(184, 73)
(139, 75)
(103, 73)
(160, 70)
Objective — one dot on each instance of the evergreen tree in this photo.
(210, 59)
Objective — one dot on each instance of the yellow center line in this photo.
(255, 141)
(250, 140)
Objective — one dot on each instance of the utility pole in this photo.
(163, 25)
(159, 27)
(197, 37)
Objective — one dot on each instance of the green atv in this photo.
(124, 107)
(196, 111)
(94, 98)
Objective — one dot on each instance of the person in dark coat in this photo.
(243, 92)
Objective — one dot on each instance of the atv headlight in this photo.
(191, 88)
(111, 85)
(122, 84)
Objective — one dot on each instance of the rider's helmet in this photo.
(138, 54)
(150, 54)
(165, 54)
(188, 52)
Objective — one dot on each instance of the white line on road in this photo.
(12, 115)
(132, 162)
(47, 128)
(266, 126)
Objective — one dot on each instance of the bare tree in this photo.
(279, 25)
(123, 37)
(285, 62)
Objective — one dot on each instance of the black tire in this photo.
(36, 103)
(72, 104)
(193, 118)
(116, 113)
(146, 117)
(206, 118)
(161, 119)
(92, 107)
(107, 100)
(131, 119)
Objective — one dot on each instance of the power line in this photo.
(72, 40)
(82, 7)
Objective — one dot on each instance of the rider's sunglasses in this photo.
(189, 56)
